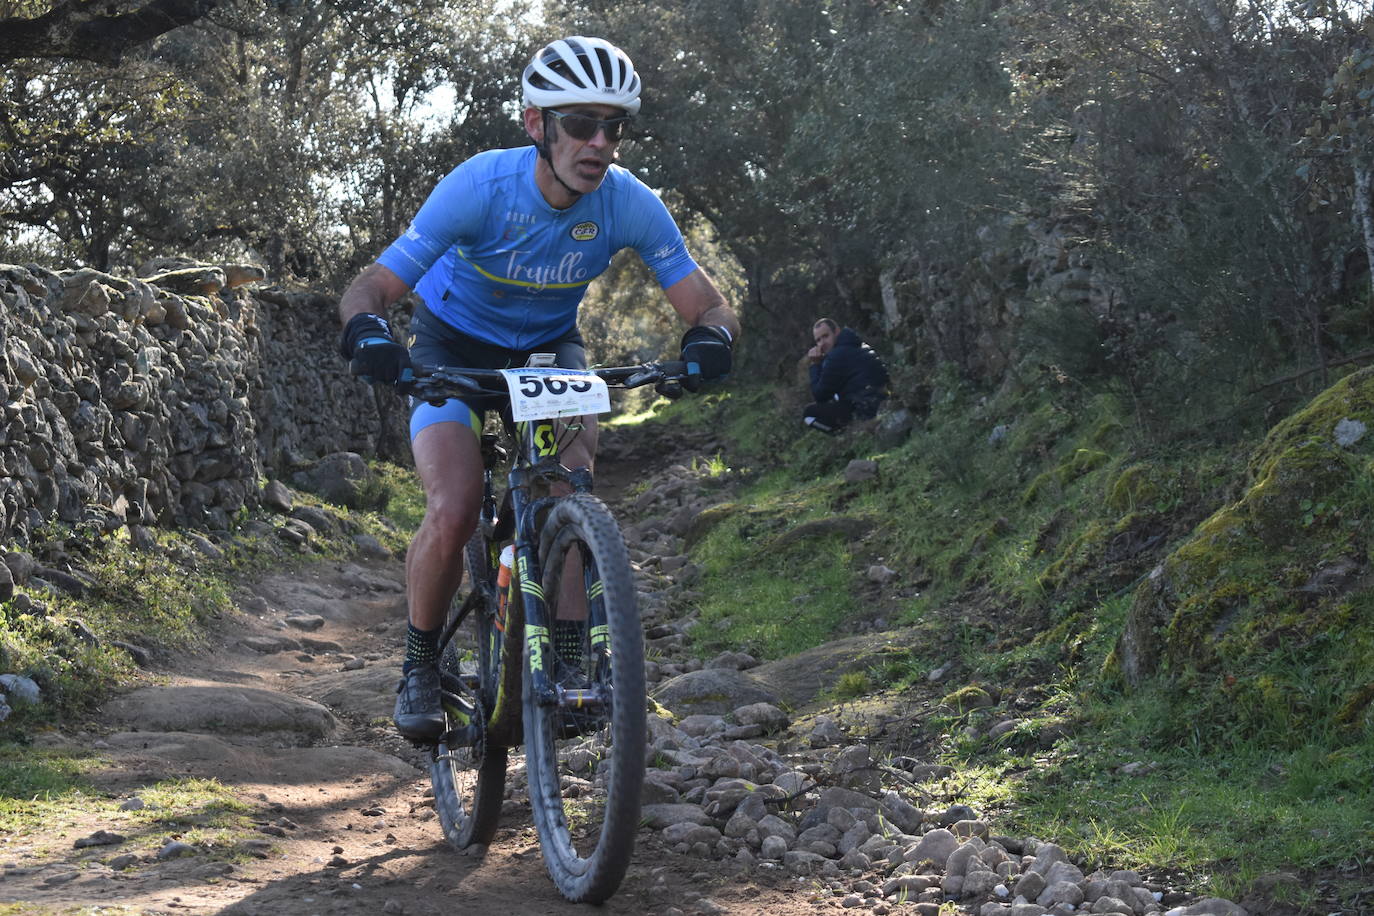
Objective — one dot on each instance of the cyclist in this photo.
(501, 255)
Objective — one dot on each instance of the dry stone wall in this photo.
(969, 315)
(167, 399)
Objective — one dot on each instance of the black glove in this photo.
(706, 350)
(373, 354)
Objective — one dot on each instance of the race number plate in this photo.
(541, 394)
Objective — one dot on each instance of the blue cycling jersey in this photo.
(490, 257)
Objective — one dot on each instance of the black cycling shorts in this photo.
(434, 342)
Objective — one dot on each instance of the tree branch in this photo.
(77, 29)
(1352, 358)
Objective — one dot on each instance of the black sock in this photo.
(422, 647)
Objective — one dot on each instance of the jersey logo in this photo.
(585, 231)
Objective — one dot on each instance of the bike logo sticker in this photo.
(585, 231)
(544, 439)
(536, 637)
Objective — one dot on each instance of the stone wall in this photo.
(969, 315)
(164, 400)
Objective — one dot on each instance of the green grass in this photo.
(158, 600)
(404, 504)
(767, 601)
(163, 599)
(1214, 793)
(27, 773)
(51, 791)
(850, 685)
(1222, 817)
(1020, 562)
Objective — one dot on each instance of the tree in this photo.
(76, 150)
(293, 133)
(1224, 255)
(87, 30)
(822, 140)
(1340, 139)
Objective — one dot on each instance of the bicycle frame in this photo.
(535, 463)
(539, 682)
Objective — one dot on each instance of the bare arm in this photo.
(697, 300)
(373, 290)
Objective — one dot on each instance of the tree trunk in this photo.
(1362, 207)
(1220, 28)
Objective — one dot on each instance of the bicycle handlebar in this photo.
(440, 383)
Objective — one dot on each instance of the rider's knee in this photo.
(455, 517)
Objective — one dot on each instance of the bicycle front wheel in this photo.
(584, 755)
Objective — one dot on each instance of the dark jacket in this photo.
(850, 372)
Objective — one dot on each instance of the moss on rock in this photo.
(1352, 398)
(1082, 461)
(1083, 551)
(1135, 486)
(1245, 590)
(706, 520)
(974, 696)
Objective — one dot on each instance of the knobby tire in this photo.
(469, 782)
(585, 770)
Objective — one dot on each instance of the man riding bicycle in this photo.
(501, 255)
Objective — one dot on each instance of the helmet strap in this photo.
(543, 147)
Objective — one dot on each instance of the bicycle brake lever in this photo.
(639, 378)
(669, 388)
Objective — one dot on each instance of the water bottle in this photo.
(503, 576)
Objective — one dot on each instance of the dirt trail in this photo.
(293, 718)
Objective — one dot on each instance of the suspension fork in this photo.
(538, 621)
(540, 463)
(538, 633)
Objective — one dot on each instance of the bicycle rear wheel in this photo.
(584, 756)
(469, 784)
(470, 781)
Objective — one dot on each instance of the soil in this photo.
(341, 803)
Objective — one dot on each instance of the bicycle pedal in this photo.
(463, 736)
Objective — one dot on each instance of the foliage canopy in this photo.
(914, 169)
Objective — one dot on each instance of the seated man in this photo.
(848, 380)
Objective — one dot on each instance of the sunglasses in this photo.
(584, 127)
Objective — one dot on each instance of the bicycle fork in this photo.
(538, 627)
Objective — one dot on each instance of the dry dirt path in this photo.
(290, 712)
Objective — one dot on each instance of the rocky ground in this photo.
(755, 804)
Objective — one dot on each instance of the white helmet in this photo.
(578, 69)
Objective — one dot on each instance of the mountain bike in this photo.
(572, 689)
